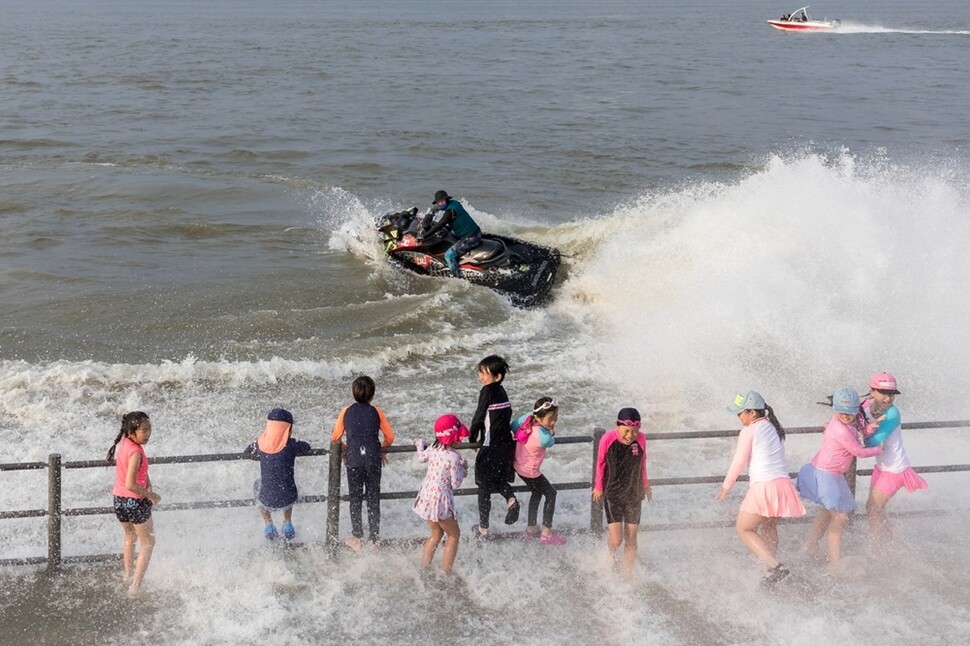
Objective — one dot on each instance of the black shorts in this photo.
(622, 511)
(133, 510)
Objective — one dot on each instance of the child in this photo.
(771, 495)
(491, 425)
(363, 424)
(535, 433)
(823, 479)
(621, 475)
(892, 470)
(275, 490)
(133, 495)
(436, 499)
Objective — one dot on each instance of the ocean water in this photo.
(187, 193)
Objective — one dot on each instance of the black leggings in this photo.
(485, 492)
(540, 487)
(359, 479)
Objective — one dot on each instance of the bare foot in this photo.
(133, 592)
(838, 569)
(354, 543)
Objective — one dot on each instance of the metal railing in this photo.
(55, 466)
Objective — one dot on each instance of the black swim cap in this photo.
(628, 414)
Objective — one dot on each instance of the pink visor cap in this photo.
(884, 381)
(448, 429)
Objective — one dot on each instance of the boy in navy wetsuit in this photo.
(362, 424)
(275, 489)
(492, 426)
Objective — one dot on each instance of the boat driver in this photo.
(467, 233)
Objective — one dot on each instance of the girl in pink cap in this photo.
(892, 470)
(771, 495)
(436, 498)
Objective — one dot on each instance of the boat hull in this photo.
(811, 25)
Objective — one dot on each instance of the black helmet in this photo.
(441, 195)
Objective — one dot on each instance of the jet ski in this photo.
(521, 270)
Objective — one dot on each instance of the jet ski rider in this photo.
(461, 225)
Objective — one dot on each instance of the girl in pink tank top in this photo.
(133, 495)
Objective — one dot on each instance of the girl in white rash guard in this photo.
(771, 495)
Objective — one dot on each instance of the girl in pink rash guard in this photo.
(823, 479)
(892, 471)
(771, 495)
(621, 482)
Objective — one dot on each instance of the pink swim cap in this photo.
(449, 429)
(883, 381)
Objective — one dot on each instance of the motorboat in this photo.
(799, 20)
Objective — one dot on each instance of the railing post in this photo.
(333, 496)
(596, 506)
(850, 475)
(53, 511)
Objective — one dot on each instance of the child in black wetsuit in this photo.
(491, 426)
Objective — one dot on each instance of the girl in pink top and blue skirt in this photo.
(771, 495)
(823, 479)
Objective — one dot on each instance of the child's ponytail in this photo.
(129, 425)
(774, 422)
(111, 451)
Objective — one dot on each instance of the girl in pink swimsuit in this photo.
(771, 495)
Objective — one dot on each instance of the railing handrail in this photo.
(406, 448)
(22, 466)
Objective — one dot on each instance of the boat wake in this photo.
(848, 27)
